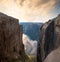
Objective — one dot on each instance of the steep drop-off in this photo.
(11, 46)
(49, 38)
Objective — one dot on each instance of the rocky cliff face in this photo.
(54, 56)
(49, 38)
(11, 46)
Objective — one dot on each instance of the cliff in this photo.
(11, 46)
(54, 56)
(49, 38)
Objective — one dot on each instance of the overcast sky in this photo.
(31, 10)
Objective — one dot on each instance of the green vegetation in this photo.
(32, 58)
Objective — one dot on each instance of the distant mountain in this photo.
(32, 30)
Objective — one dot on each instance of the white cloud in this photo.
(30, 45)
(28, 10)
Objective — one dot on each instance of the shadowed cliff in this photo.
(49, 38)
(11, 46)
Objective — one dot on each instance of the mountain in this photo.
(32, 30)
(31, 36)
(49, 38)
(11, 45)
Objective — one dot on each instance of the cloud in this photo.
(30, 45)
(37, 10)
(37, 3)
(9, 7)
(29, 10)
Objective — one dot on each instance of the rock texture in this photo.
(54, 56)
(11, 46)
(49, 38)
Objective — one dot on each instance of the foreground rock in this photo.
(11, 46)
(53, 56)
(49, 38)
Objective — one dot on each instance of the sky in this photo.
(31, 10)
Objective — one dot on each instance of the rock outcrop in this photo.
(11, 46)
(49, 38)
(54, 56)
